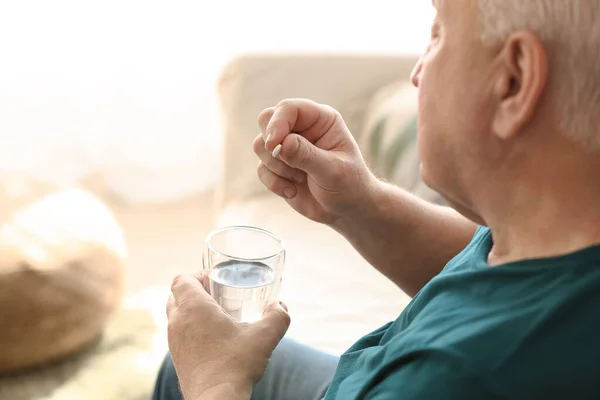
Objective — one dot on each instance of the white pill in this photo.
(276, 151)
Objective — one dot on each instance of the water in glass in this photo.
(242, 288)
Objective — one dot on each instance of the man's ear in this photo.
(520, 82)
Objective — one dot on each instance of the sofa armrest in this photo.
(251, 83)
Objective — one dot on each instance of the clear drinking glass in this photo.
(244, 265)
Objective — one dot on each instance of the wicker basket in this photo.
(61, 274)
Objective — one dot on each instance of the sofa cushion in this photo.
(389, 139)
(61, 276)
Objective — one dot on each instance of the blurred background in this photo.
(128, 87)
(146, 105)
(124, 91)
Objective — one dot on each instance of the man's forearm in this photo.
(406, 238)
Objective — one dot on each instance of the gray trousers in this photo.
(295, 372)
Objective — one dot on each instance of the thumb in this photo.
(298, 152)
(274, 323)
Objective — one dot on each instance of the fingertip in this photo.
(269, 136)
(201, 276)
(274, 323)
(274, 306)
(290, 192)
(292, 142)
(277, 311)
(275, 133)
(282, 305)
(289, 148)
(277, 151)
(185, 283)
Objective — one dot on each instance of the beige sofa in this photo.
(334, 296)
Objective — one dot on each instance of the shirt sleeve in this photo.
(429, 377)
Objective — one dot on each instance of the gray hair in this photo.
(571, 33)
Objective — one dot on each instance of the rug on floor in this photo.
(121, 365)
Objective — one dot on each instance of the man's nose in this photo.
(416, 72)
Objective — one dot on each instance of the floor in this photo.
(164, 240)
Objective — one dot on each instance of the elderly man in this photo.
(506, 286)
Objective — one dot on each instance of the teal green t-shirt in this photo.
(524, 330)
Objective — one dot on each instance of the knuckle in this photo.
(173, 327)
(187, 304)
(330, 110)
(265, 115)
(327, 108)
(332, 116)
(337, 170)
(177, 282)
(278, 124)
(304, 154)
(333, 111)
(285, 103)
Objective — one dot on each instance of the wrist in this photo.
(211, 386)
(366, 207)
(232, 391)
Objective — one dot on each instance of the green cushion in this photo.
(389, 139)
